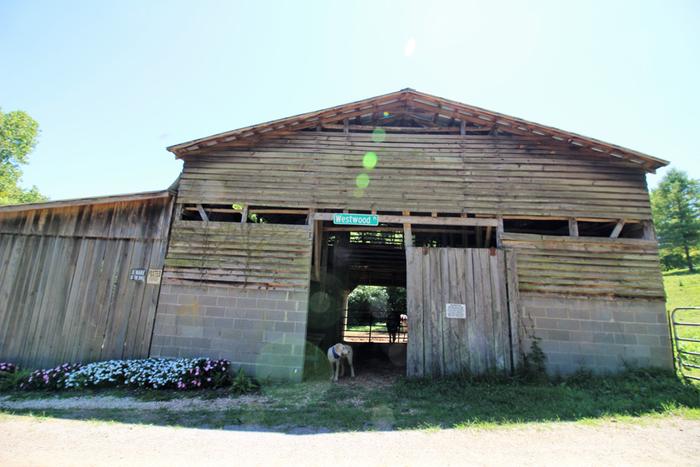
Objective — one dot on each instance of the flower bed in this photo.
(155, 373)
(54, 378)
(6, 367)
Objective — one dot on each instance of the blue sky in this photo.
(113, 83)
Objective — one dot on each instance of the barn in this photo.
(499, 231)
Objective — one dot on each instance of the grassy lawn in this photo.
(411, 404)
(683, 290)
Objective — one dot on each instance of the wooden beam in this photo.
(426, 220)
(318, 236)
(407, 234)
(618, 228)
(649, 233)
(499, 232)
(202, 213)
(244, 214)
(573, 227)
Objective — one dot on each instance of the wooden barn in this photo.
(501, 231)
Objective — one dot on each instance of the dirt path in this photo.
(31, 441)
(109, 402)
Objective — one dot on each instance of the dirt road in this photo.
(35, 441)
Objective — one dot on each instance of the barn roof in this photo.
(410, 101)
(85, 201)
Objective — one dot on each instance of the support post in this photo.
(573, 227)
(407, 234)
(202, 213)
(499, 232)
(649, 233)
(618, 228)
(244, 214)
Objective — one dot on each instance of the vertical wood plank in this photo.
(513, 307)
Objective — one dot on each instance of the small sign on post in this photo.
(154, 276)
(356, 219)
(137, 274)
(456, 310)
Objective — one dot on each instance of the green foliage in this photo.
(396, 299)
(676, 209)
(18, 135)
(243, 384)
(368, 298)
(534, 367)
(10, 381)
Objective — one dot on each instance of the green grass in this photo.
(633, 396)
(683, 290)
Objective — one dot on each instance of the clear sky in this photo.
(113, 83)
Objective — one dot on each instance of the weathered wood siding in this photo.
(587, 266)
(270, 256)
(475, 277)
(65, 293)
(445, 173)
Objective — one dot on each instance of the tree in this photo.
(18, 135)
(676, 209)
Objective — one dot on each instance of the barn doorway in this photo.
(357, 270)
(358, 295)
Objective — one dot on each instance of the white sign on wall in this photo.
(456, 310)
(154, 276)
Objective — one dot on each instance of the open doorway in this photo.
(358, 296)
(358, 285)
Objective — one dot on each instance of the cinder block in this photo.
(274, 315)
(557, 335)
(648, 340)
(167, 299)
(546, 323)
(604, 337)
(286, 305)
(646, 317)
(569, 324)
(601, 315)
(635, 328)
(215, 311)
(623, 316)
(612, 327)
(286, 327)
(246, 303)
(296, 316)
(273, 336)
(626, 339)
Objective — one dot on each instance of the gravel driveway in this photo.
(56, 442)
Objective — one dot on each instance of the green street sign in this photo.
(356, 219)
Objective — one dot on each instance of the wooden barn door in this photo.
(458, 317)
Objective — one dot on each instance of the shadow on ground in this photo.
(386, 401)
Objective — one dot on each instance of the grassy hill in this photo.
(683, 289)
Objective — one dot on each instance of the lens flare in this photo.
(369, 161)
(362, 181)
(378, 135)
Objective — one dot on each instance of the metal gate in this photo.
(458, 314)
(687, 347)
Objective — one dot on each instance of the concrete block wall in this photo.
(262, 331)
(596, 334)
